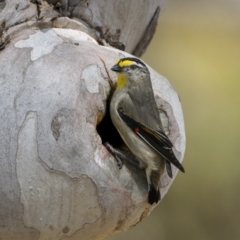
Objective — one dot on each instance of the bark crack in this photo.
(147, 35)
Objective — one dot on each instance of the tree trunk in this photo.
(57, 180)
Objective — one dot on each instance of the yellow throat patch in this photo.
(122, 80)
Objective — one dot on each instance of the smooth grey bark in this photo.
(57, 180)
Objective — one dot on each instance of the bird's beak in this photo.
(116, 68)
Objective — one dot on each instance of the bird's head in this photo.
(130, 71)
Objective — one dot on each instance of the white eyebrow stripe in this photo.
(137, 64)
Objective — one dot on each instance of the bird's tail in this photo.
(153, 191)
(153, 195)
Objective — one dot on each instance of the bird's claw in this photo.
(115, 154)
(119, 162)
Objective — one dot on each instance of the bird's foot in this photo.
(116, 153)
(121, 156)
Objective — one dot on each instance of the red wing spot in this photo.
(136, 129)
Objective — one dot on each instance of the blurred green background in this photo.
(197, 48)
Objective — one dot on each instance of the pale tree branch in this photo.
(57, 179)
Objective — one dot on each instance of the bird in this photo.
(134, 113)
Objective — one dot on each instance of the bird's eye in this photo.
(133, 67)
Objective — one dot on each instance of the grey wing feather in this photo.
(156, 139)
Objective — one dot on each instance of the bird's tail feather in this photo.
(154, 193)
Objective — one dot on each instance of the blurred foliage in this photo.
(197, 48)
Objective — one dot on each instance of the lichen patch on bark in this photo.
(92, 77)
(73, 202)
(45, 40)
(42, 43)
(74, 35)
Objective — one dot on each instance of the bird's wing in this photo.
(169, 169)
(158, 140)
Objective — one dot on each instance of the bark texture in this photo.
(57, 180)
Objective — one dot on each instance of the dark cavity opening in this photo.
(108, 132)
